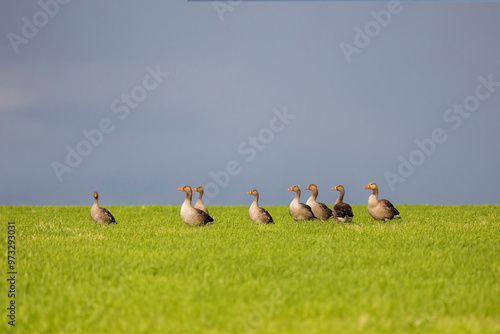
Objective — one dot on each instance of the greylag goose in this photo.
(258, 215)
(192, 216)
(297, 210)
(342, 211)
(199, 205)
(380, 209)
(100, 215)
(320, 210)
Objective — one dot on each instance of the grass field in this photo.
(435, 271)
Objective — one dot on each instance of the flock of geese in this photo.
(342, 212)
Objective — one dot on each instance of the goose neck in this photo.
(341, 197)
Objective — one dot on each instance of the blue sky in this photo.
(155, 95)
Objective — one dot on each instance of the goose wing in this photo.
(343, 210)
(203, 216)
(107, 216)
(325, 208)
(308, 209)
(388, 205)
(264, 216)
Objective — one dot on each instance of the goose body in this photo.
(199, 205)
(342, 211)
(100, 215)
(258, 215)
(297, 210)
(320, 210)
(192, 216)
(380, 209)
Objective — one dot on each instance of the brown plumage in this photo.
(320, 210)
(100, 215)
(199, 205)
(192, 216)
(380, 209)
(342, 211)
(258, 215)
(297, 210)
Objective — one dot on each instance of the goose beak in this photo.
(334, 188)
(307, 188)
(367, 186)
(249, 193)
(180, 189)
(290, 189)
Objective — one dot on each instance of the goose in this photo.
(297, 210)
(199, 205)
(341, 210)
(258, 215)
(320, 210)
(192, 216)
(380, 209)
(100, 215)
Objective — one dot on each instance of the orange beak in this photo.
(334, 188)
(307, 188)
(367, 186)
(290, 189)
(180, 189)
(249, 193)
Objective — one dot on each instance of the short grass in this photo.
(435, 271)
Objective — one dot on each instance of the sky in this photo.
(137, 99)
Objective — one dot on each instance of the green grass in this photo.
(435, 271)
